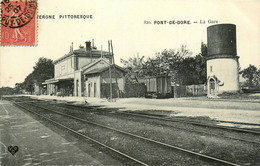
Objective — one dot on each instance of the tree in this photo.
(28, 83)
(180, 66)
(43, 70)
(252, 75)
(134, 67)
(203, 50)
(256, 79)
(6, 91)
(18, 87)
(200, 70)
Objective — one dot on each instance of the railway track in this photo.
(181, 118)
(176, 120)
(81, 135)
(197, 123)
(171, 119)
(192, 123)
(201, 156)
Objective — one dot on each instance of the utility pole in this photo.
(101, 51)
(110, 73)
(90, 54)
(114, 67)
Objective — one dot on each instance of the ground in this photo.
(232, 109)
(38, 145)
(41, 145)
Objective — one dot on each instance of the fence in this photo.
(190, 90)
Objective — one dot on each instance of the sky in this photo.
(123, 22)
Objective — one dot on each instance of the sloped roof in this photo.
(84, 52)
(92, 64)
(100, 70)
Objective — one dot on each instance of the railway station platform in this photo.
(227, 110)
(244, 111)
(39, 145)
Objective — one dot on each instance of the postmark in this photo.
(18, 22)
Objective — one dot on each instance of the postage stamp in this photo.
(18, 23)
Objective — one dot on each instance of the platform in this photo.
(39, 145)
(223, 109)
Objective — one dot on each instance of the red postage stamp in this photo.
(18, 23)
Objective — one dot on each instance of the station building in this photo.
(82, 72)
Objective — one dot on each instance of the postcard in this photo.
(136, 82)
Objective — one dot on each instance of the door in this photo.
(212, 86)
(89, 88)
(77, 87)
(95, 89)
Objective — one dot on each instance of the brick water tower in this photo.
(222, 60)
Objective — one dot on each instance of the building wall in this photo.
(100, 78)
(90, 86)
(118, 74)
(150, 83)
(82, 61)
(51, 89)
(99, 65)
(78, 90)
(120, 82)
(163, 85)
(64, 67)
(226, 71)
(160, 85)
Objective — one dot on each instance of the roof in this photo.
(92, 64)
(100, 70)
(149, 77)
(63, 57)
(84, 52)
(53, 80)
(50, 81)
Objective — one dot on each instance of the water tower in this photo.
(222, 60)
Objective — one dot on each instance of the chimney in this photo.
(71, 47)
(88, 45)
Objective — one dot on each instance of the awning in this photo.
(66, 79)
(50, 82)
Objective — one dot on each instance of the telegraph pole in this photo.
(101, 51)
(114, 68)
(110, 73)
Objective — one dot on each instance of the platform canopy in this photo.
(50, 81)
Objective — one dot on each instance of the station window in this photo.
(210, 68)
(62, 69)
